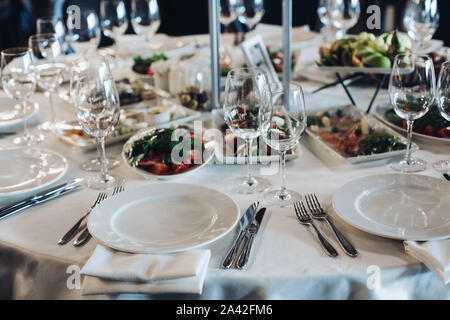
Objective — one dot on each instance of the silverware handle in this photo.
(82, 238)
(72, 232)
(243, 258)
(229, 258)
(329, 249)
(343, 241)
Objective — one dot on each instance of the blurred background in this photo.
(181, 17)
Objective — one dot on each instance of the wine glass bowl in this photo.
(145, 17)
(246, 92)
(254, 11)
(86, 38)
(281, 128)
(411, 92)
(113, 17)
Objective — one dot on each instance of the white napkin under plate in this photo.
(112, 272)
(434, 254)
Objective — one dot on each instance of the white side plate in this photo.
(397, 206)
(163, 218)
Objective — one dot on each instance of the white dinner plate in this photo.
(163, 218)
(24, 171)
(11, 121)
(397, 206)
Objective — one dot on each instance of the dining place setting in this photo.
(129, 156)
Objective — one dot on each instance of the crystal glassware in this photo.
(421, 20)
(84, 38)
(98, 111)
(145, 17)
(348, 14)
(50, 67)
(282, 125)
(254, 11)
(246, 91)
(94, 164)
(411, 92)
(443, 104)
(113, 18)
(52, 25)
(19, 78)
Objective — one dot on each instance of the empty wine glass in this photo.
(113, 18)
(50, 67)
(348, 14)
(52, 25)
(411, 92)
(230, 10)
(246, 91)
(282, 127)
(85, 37)
(329, 12)
(254, 11)
(421, 20)
(98, 111)
(443, 103)
(79, 67)
(19, 77)
(145, 17)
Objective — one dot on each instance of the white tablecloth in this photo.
(287, 262)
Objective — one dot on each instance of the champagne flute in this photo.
(421, 20)
(443, 103)
(98, 111)
(282, 127)
(19, 77)
(113, 18)
(48, 58)
(145, 17)
(79, 67)
(411, 92)
(86, 38)
(246, 91)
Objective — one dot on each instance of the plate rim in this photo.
(34, 189)
(223, 234)
(380, 234)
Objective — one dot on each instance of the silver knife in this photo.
(41, 198)
(245, 220)
(253, 229)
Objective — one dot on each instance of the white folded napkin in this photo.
(110, 272)
(434, 254)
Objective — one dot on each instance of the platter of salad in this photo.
(164, 152)
(432, 127)
(365, 53)
(347, 136)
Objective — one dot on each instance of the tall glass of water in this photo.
(98, 111)
(246, 91)
(443, 103)
(281, 128)
(411, 92)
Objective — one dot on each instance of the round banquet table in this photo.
(287, 262)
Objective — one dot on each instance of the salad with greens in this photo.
(366, 50)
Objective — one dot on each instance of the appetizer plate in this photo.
(25, 171)
(380, 112)
(208, 155)
(163, 218)
(329, 155)
(131, 121)
(397, 206)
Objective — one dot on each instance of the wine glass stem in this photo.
(249, 161)
(409, 124)
(283, 190)
(52, 110)
(26, 133)
(102, 155)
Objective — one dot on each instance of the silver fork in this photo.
(318, 213)
(85, 236)
(305, 219)
(74, 230)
